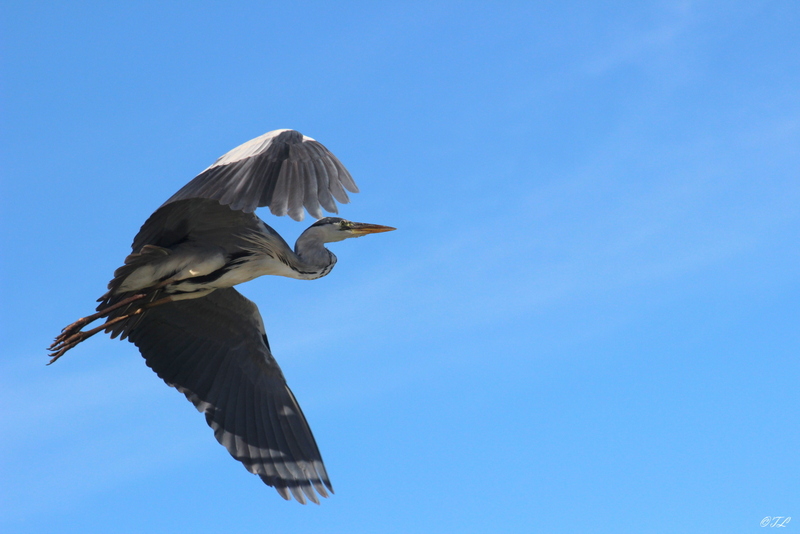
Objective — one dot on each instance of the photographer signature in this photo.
(775, 521)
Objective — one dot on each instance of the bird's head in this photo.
(332, 229)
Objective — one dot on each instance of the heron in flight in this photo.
(174, 297)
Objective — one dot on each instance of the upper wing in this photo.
(282, 169)
(200, 220)
(214, 350)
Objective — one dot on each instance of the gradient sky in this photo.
(587, 320)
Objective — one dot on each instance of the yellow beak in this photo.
(360, 229)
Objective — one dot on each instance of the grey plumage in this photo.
(282, 169)
(174, 297)
(214, 350)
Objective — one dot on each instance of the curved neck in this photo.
(312, 259)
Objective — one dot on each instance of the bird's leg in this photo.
(59, 348)
(63, 343)
(83, 321)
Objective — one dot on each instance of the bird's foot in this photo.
(71, 335)
(69, 339)
(69, 331)
(58, 348)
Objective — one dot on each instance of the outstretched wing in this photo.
(215, 351)
(282, 169)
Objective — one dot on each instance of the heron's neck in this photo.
(313, 259)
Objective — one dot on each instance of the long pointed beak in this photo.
(360, 229)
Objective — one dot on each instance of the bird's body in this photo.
(174, 297)
(201, 260)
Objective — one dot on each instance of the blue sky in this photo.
(587, 320)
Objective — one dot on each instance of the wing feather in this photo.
(213, 349)
(272, 170)
(268, 466)
(296, 192)
(310, 196)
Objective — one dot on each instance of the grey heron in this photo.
(174, 297)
